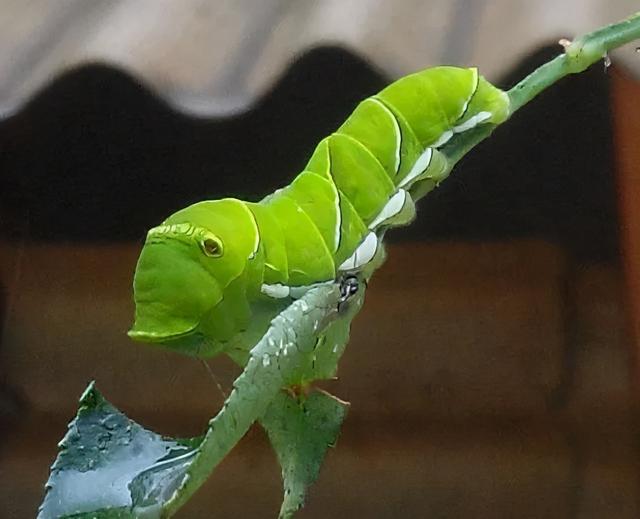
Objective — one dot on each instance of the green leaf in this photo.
(278, 360)
(106, 462)
(111, 467)
(301, 430)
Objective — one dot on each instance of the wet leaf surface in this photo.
(107, 463)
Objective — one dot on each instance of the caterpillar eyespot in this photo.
(211, 247)
(359, 182)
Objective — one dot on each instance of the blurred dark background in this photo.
(96, 157)
(491, 371)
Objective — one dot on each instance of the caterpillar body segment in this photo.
(308, 256)
(273, 247)
(206, 270)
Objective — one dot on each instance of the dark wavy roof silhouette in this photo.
(98, 156)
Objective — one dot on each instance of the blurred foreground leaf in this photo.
(104, 461)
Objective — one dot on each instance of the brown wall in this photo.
(626, 108)
(486, 380)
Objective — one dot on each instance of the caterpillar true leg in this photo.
(349, 285)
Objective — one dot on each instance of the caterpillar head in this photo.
(191, 281)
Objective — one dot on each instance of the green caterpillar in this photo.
(215, 272)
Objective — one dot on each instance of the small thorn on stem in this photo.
(565, 43)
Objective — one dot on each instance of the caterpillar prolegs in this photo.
(208, 271)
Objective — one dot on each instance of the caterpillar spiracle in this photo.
(208, 270)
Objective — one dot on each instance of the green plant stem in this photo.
(252, 393)
(577, 57)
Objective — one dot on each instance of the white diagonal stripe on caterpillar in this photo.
(391, 208)
(419, 167)
(363, 254)
(398, 133)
